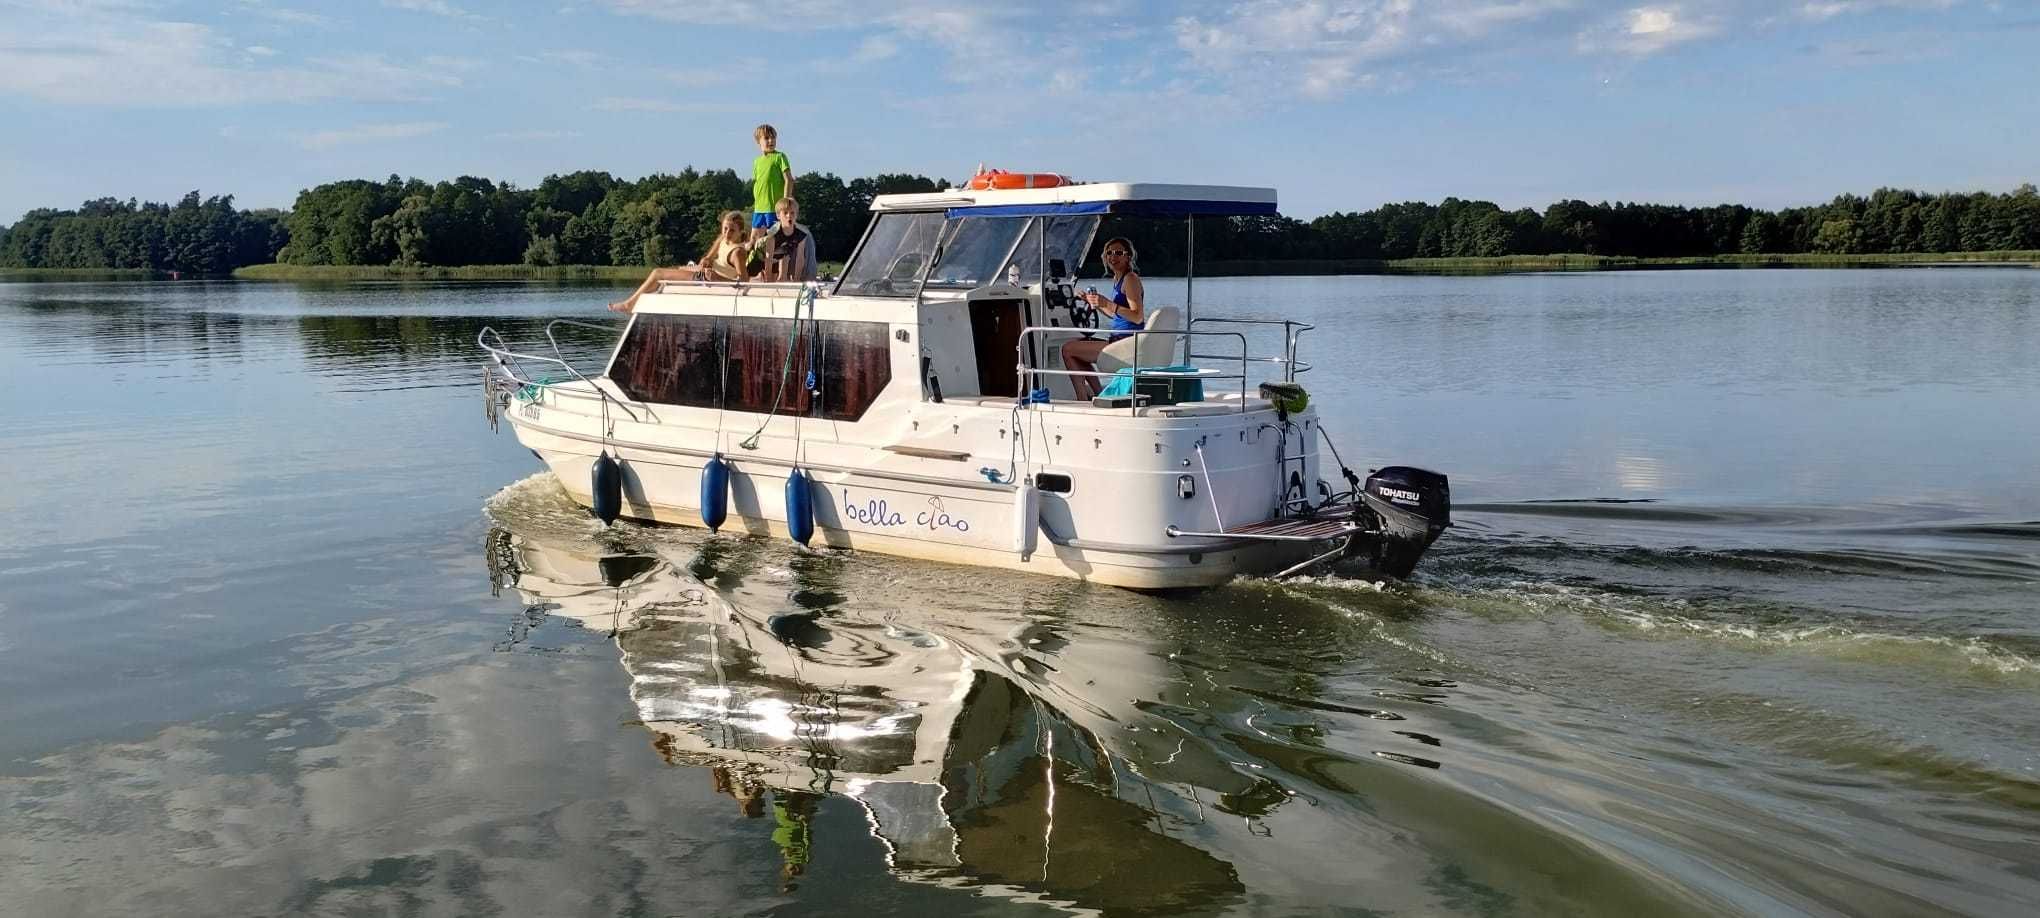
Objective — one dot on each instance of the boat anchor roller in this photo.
(605, 485)
(715, 492)
(800, 507)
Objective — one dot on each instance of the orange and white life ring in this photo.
(1001, 180)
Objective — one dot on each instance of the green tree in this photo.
(1759, 235)
(1836, 236)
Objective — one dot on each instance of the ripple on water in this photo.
(1278, 704)
(1210, 717)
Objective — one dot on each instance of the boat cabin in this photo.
(1011, 259)
(983, 284)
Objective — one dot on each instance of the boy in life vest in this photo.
(771, 179)
(788, 248)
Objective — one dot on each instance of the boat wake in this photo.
(1674, 618)
(1460, 712)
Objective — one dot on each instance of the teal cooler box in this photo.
(1179, 384)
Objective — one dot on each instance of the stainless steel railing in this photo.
(738, 288)
(1023, 371)
(511, 364)
(1292, 331)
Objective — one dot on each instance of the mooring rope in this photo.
(785, 370)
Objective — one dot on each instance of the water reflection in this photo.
(965, 774)
(1047, 741)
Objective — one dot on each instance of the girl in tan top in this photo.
(728, 260)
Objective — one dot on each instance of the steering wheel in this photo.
(903, 270)
(1082, 313)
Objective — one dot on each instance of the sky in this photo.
(1338, 104)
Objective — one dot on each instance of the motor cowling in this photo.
(1411, 507)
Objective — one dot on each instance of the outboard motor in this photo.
(1411, 506)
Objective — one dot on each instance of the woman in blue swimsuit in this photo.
(1127, 310)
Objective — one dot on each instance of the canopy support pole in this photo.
(1038, 355)
(1189, 281)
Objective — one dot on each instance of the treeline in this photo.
(1888, 222)
(198, 236)
(593, 218)
(582, 218)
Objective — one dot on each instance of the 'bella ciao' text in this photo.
(876, 512)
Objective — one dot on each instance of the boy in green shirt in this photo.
(771, 179)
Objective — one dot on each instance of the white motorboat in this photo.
(919, 406)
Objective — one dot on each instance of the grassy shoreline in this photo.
(1509, 264)
(81, 274)
(284, 272)
(630, 273)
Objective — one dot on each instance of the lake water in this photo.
(1741, 614)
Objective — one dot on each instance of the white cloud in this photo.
(1828, 9)
(1326, 48)
(533, 135)
(369, 133)
(118, 60)
(284, 15)
(452, 64)
(810, 14)
(626, 104)
(871, 50)
(967, 35)
(1647, 30)
(875, 48)
(1478, 19)
(260, 50)
(1262, 49)
(574, 57)
(434, 7)
(696, 78)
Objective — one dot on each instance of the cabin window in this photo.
(856, 365)
(680, 360)
(760, 368)
(670, 360)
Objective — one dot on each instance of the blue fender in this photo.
(715, 492)
(605, 482)
(800, 507)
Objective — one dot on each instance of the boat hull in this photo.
(955, 523)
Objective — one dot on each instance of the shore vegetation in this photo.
(582, 224)
(631, 274)
(1508, 264)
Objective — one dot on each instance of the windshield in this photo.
(893, 255)
(1068, 238)
(975, 251)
